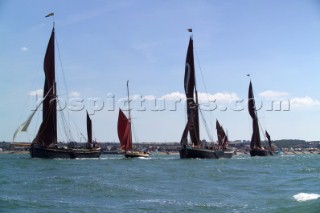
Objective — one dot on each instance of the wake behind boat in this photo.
(45, 143)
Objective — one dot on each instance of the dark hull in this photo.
(189, 152)
(38, 152)
(256, 152)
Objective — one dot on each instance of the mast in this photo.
(129, 146)
(128, 100)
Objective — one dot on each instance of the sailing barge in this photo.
(125, 133)
(256, 148)
(196, 149)
(45, 143)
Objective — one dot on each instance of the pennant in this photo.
(50, 14)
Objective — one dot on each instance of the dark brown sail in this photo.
(269, 140)
(184, 137)
(47, 133)
(255, 139)
(89, 129)
(255, 145)
(222, 137)
(191, 91)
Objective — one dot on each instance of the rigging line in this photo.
(205, 87)
(206, 126)
(79, 133)
(136, 139)
(63, 76)
(65, 125)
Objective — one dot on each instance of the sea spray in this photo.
(301, 197)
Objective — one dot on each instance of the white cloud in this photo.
(24, 49)
(38, 92)
(149, 97)
(174, 96)
(220, 97)
(273, 94)
(304, 102)
(223, 97)
(74, 94)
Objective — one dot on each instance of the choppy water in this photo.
(289, 183)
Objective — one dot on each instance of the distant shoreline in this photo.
(238, 153)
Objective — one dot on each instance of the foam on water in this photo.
(301, 197)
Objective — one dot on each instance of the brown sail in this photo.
(184, 137)
(124, 131)
(89, 129)
(47, 133)
(191, 91)
(269, 140)
(255, 139)
(222, 136)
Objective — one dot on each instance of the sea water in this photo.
(161, 183)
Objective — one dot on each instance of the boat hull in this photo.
(188, 152)
(256, 152)
(136, 154)
(50, 153)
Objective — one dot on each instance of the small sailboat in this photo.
(196, 149)
(223, 141)
(125, 133)
(256, 148)
(45, 144)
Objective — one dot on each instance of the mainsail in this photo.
(191, 91)
(124, 131)
(255, 139)
(47, 133)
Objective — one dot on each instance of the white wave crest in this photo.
(301, 197)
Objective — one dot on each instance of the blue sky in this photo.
(102, 44)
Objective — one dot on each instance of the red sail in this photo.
(190, 90)
(255, 139)
(124, 131)
(89, 129)
(47, 133)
